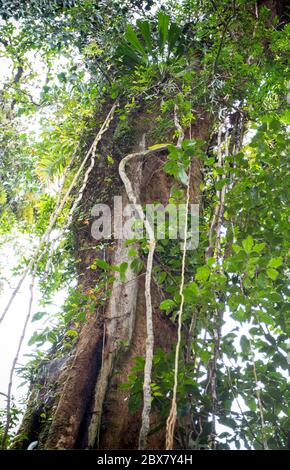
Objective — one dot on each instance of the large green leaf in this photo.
(145, 29)
(163, 22)
(133, 39)
(129, 56)
(174, 36)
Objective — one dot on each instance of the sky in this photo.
(11, 328)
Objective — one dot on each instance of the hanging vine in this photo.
(42, 246)
(171, 420)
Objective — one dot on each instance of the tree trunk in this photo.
(88, 408)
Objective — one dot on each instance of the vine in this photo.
(40, 251)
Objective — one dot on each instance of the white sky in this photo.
(11, 327)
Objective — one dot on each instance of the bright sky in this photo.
(11, 328)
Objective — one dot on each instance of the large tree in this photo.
(185, 103)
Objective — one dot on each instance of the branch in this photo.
(149, 351)
(215, 249)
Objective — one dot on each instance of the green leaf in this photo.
(71, 333)
(259, 247)
(163, 22)
(145, 29)
(38, 315)
(123, 269)
(123, 266)
(62, 77)
(167, 304)
(275, 262)
(240, 315)
(221, 183)
(157, 146)
(245, 344)
(177, 170)
(102, 264)
(202, 273)
(125, 386)
(262, 280)
(174, 35)
(251, 402)
(181, 175)
(236, 248)
(115, 268)
(272, 273)
(170, 168)
(137, 265)
(191, 292)
(210, 261)
(134, 402)
(132, 252)
(230, 422)
(248, 244)
(128, 54)
(162, 277)
(191, 145)
(132, 38)
(209, 161)
(205, 356)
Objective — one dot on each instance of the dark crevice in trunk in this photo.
(95, 367)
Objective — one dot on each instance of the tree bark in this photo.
(88, 409)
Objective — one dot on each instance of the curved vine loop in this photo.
(149, 320)
(145, 426)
